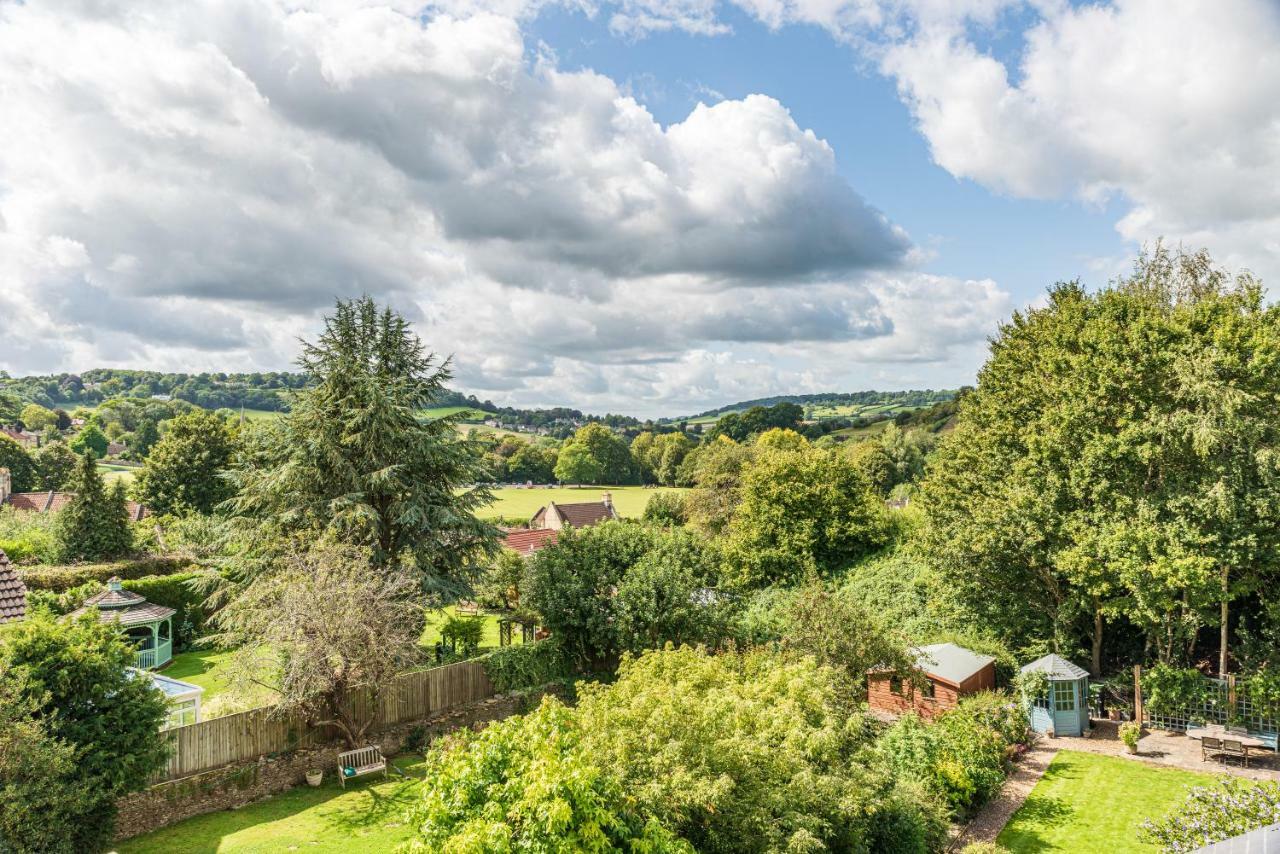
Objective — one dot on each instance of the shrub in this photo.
(1130, 734)
(27, 537)
(62, 578)
(463, 634)
(1224, 809)
(526, 784)
(1167, 689)
(528, 665)
(665, 508)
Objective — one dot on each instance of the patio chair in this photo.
(1235, 750)
(1210, 747)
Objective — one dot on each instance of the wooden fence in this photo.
(248, 735)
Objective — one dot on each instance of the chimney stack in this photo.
(6, 485)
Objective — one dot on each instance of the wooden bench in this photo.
(365, 760)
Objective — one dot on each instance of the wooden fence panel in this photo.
(235, 738)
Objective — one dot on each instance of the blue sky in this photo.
(869, 188)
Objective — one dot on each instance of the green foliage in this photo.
(90, 440)
(960, 756)
(595, 454)
(575, 464)
(1131, 734)
(55, 465)
(669, 595)
(801, 513)
(1227, 808)
(532, 462)
(27, 537)
(499, 587)
(665, 508)
(40, 798)
(1117, 462)
(95, 524)
(144, 439)
(463, 634)
(741, 426)
(658, 456)
(528, 665)
(898, 585)
(353, 460)
(1168, 690)
(35, 417)
(526, 784)
(186, 470)
(716, 470)
(22, 469)
(739, 752)
(75, 674)
(59, 579)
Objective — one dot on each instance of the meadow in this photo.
(516, 502)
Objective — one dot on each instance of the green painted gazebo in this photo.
(1065, 704)
(148, 625)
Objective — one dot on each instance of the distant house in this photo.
(115, 449)
(23, 437)
(50, 502)
(584, 515)
(13, 593)
(950, 672)
(527, 541)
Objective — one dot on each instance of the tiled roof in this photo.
(52, 502)
(111, 598)
(950, 662)
(580, 515)
(147, 612)
(529, 541)
(1057, 668)
(13, 593)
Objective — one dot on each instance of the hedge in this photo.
(59, 579)
(529, 665)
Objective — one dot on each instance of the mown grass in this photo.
(1087, 802)
(515, 502)
(366, 816)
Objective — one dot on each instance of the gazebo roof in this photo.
(1057, 668)
(117, 605)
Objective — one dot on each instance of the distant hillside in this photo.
(870, 405)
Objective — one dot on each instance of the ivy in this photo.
(529, 665)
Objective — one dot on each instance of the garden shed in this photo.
(951, 671)
(149, 626)
(1063, 704)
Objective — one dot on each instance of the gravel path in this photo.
(992, 818)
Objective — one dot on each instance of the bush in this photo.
(1131, 734)
(27, 537)
(463, 634)
(665, 508)
(529, 665)
(1227, 808)
(1167, 690)
(59, 579)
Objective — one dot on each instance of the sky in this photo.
(650, 207)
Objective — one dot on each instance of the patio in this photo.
(1167, 748)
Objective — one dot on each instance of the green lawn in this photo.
(210, 670)
(1087, 802)
(111, 472)
(327, 820)
(514, 502)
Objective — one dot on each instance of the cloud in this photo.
(189, 185)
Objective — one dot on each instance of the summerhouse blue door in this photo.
(1066, 704)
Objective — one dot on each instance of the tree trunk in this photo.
(1222, 636)
(1095, 663)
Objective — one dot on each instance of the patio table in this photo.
(1218, 732)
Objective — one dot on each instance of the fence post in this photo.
(1137, 693)
(1231, 697)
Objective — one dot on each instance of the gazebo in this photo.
(147, 625)
(1064, 705)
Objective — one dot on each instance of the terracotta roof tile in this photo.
(52, 502)
(13, 593)
(529, 541)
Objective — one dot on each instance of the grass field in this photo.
(112, 472)
(1087, 802)
(367, 816)
(514, 502)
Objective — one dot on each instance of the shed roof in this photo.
(1263, 840)
(1057, 668)
(950, 662)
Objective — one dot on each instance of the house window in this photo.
(928, 689)
(1064, 696)
(181, 713)
(895, 684)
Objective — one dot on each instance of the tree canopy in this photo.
(186, 471)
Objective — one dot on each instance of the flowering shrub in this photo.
(1212, 813)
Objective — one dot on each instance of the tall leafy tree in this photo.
(95, 524)
(75, 676)
(144, 438)
(576, 464)
(1118, 460)
(22, 469)
(91, 438)
(186, 470)
(55, 465)
(356, 460)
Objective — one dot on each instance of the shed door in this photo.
(1066, 715)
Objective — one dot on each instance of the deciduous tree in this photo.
(186, 471)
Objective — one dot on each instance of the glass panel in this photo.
(1064, 696)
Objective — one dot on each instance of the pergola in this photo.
(147, 625)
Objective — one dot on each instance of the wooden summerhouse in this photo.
(1064, 704)
(950, 672)
(149, 626)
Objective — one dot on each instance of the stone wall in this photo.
(245, 782)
